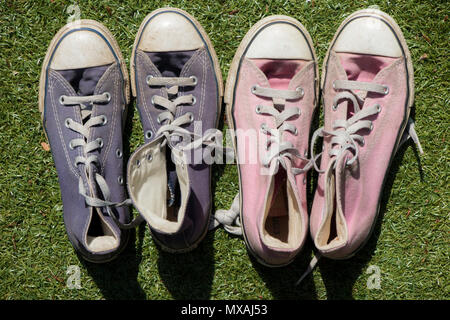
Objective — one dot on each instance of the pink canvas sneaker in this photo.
(271, 93)
(368, 91)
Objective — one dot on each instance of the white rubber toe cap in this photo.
(279, 41)
(368, 35)
(169, 31)
(81, 49)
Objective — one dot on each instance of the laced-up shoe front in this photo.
(368, 90)
(83, 97)
(271, 94)
(177, 83)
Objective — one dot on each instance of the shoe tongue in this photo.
(173, 188)
(170, 64)
(85, 80)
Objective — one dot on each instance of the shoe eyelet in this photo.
(149, 157)
(386, 90)
(158, 119)
(61, 100)
(295, 131)
(108, 96)
(104, 120)
(363, 142)
(67, 122)
(334, 85)
(371, 126)
(258, 109)
(119, 153)
(147, 80)
(152, 100)
(138, 163)
(191, 116)
(120, 180)
(378, 108)
(194, 100)
(195, 80)
(149, 134)
(253, 89)
(301, 91)
(334, 107)
(71, 145)
(100, 142)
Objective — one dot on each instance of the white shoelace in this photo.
(278, 149)
(171, 128)
(88, 160)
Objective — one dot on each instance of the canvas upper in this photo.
(177, 84)
(271, 95)
(83, 98)
(368, 89)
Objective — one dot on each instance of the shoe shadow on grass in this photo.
(190, 275)
(339, 276)
(117, 280)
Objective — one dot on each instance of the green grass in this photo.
(410, 244)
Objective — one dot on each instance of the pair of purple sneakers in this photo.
(83, 98)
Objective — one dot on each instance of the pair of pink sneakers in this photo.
(271, 94)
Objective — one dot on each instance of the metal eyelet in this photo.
(104, 119)
(194, 100)
(152, 100)
(120, 180)
(158, 119)
(334, 85)
(148, 134)
(195, 80)
(71, 145)
(378, 108)
(253, 89)
(148, 79)
(108, 96)
(138, 163)
(334, 107)
(149, 157)
(119, 153)
(191, 116)
(295, 131)
(100, 142)
(363, 142)
(67, 122)
(61, 99)
(371, 126)
(300, 89)
(386, 90)
(258, 109)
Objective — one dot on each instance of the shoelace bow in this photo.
(90, 161)
(345, 132)
(278, 149)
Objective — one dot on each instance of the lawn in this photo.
(410, 245)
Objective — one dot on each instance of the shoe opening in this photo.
(282, 222)
(100, 236)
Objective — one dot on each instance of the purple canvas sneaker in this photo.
(84, 91)
(177, 83)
